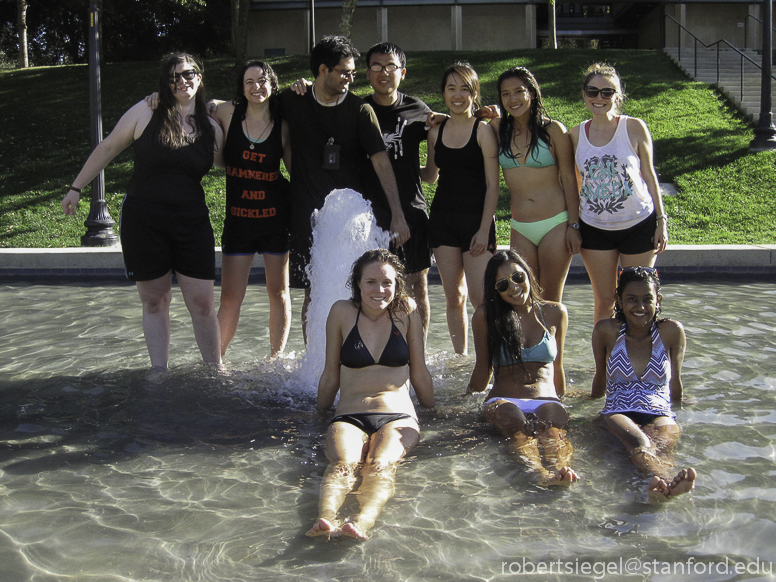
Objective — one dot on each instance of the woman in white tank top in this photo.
(622, 220)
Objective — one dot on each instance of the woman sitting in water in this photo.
(638, 404)
(375, 423)
(520, 338)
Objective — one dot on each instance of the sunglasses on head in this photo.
(517, 278)
(187, 75)
(606, 93)
(639, 269)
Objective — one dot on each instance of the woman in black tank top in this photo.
(374, 347)
(462, 153)
(165, 226)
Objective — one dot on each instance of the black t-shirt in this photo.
(351, 125)
(403, 127)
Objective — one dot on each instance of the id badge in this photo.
(331, 156)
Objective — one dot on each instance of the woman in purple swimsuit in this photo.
(638, 404)
(374, 349)
(519, 339)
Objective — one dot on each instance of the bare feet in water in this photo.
(564, 476)
(323, 527)
(659, 491)
(351, 530)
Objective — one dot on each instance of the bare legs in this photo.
(351, 454)
(156, 295)
(651, 449)
(455, 269)
(417, 288)
(234, 282)
(549, 261)
(540, 443)
(601, 267)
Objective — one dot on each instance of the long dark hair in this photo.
(538, 120)
(470, 79)
(171, 132)
(240, 102)
(638, 274)
(503, 324)
(399, 303)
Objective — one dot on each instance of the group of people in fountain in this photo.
(592, 190)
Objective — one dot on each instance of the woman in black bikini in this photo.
(375, 423)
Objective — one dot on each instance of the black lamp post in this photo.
(765, 132)
(312, 25)
(99, 224)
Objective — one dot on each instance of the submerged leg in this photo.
(388, 446)
(551, 423)
(345, 446)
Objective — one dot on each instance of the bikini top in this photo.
(354, 354)
(544, 352)
(540, 157)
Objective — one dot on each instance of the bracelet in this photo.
(74, 188)
(574, 225)
(662, 217)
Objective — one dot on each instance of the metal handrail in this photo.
(718, 43)
(746, 25)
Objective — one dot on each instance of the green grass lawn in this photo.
(725, 193)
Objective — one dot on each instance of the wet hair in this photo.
(637, 274)
(605, 70)
(538, 119)
(399, 303)
(469, 77)
(387, 48)
(330, 51)
(171, 133)
(503, 324)
(240, 102)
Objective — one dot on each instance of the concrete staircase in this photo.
(729, 75)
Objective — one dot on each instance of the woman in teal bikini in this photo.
(374, 348)
(537, 160)
(519, 338)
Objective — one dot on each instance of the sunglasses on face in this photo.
(606, 93)
(517, 278)
(187, 75)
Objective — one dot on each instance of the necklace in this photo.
(261, 135)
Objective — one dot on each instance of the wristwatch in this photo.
(574, 225)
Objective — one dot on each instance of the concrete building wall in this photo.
(496, 26)
(420, 28)
(712, 22)
(649, 30)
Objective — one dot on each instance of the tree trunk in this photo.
(346, 23)
(24, 61)
(240, 28)
(551, 24)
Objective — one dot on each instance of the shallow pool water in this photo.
(107, 476)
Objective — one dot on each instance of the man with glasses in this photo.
(403, 124)
(333, 133)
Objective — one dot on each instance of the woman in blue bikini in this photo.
(375, 422)
(638, 404)
(519, 339)
(537, 161)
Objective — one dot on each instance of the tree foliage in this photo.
(57, 30)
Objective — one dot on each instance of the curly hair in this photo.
(171, 133)
(400, 302)
(504, 332)
(637, 274)
(330, 51)
(538, 119)
(240, 102)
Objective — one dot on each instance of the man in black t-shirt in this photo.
(333, 133)
(403, 124)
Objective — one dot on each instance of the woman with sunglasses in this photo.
(622, 220)
(537, 161)
(519, 340)
(462, 153)
(165, 224)
(638, 366)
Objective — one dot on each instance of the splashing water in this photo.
(344, 229)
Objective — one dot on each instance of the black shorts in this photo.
(414, 254)
(641, 418)
(236, 241)
(369, 422)
(639, 238)
(456, 229)
(157, 238)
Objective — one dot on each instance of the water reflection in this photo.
(106, 475)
